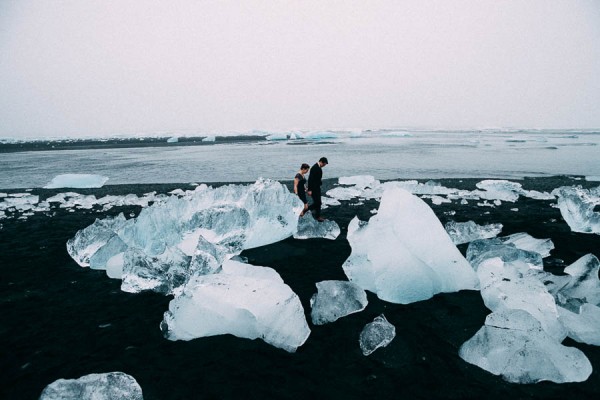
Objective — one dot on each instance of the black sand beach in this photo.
(64, 321)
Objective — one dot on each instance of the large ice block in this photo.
(577, 208)
(253, 305)
(309, 228)
(513, 344)
(403, 254)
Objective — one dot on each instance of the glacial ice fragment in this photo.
(581, 282)
(76, 181)
(252, 305)
(583, 326)
(499, 190)
(309, 228)
(376, 334)
(577, 208)
(108, 386)
(483, 249)
(403, 254)
(524, 241)
(336, 299)
(359, 181)
(513, 285)
(465, 232)
(513, 344)
(88, 240)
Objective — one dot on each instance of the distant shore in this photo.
(112, 143)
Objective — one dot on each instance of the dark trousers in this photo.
(315, 207)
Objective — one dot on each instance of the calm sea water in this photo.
(385, 155)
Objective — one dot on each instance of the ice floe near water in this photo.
(465, 232)
(108, 386)
(577, 208)
(336, 299)
(513, 344)
(252, 305)
(403, 254)
(376, 334)
(76, 181)
(524, 241)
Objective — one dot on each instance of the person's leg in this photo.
(317, 204)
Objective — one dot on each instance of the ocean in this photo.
(65, 321)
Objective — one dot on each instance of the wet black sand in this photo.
(64, 321)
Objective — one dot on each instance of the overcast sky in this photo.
(102, 67)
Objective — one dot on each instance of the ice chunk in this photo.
(581, 283)
(510, 285)
(113, 246)
(483, 249)
(513, 344)
(359, 181)
(108, 386)
(209, 139)
(527, 242)
(88, 240)
(76, 181)
(403, 254)
(233, 267)
(336, 299)
(499, 190)
(344, 193)
(465, 232)
(173, 139)
(584, 326)
(577, 208)
(277, 136)
(245, 306)
(376, 334)
(309, 228)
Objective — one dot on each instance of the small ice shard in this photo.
(336, 299)
(88, 240)
(584, 326)
(403, 254)
(108, 386)
(248, 306)
(483, 249)
(308, 228)
(513, 285)
(465, 232)
(376, 334)
(513, 344)
(76, 181)
(577, 208)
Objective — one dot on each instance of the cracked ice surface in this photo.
(513, 344)
(246, 301)
(577, 208)
(108, 386)
(403, 254)
(336, 299)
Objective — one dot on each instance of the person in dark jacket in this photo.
(300, 186)
(314, 187)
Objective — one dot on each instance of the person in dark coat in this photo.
(300, 186)
(314, 187)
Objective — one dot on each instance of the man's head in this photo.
(323, 162)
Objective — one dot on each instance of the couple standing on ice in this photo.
(313, 189)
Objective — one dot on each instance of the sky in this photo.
(118, 67)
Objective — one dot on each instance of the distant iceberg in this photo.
(78, 181)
